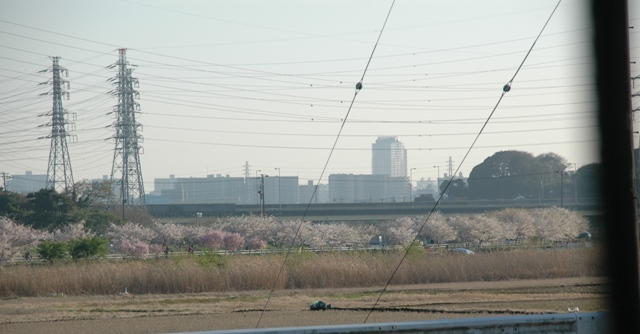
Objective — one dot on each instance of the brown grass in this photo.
(303, 270)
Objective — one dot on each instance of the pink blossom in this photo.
(212, 239)
(255, 243)
(155, 249)
(135, 248)
(233, 241)
(16, 239)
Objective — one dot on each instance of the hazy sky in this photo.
(269, 82)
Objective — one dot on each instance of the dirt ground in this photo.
(126, 313)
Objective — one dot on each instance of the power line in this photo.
(358, 88)
(505, 89)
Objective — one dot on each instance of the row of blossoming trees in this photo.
(518, 226)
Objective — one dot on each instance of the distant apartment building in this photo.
(350, 188)
(389, 157)
(194, 190)
(163, 184)
(224, 189)
(27, 183)
(277, 190)
(305, 191)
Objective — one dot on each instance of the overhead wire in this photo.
(359, 86)
(506, 88)
(370, 86)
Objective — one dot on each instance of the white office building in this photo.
(389, 157)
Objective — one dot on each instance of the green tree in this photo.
(509, 174)
(92, 194)
(425, 198)
(457, 190)
(13, 205)
(137, 216)
(549, 167)
(52, 250)
(49, 210)
(589, 178)
(88, 247)
(99, 220)
(500, 175)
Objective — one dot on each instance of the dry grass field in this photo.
(191, 294)
(156, 313)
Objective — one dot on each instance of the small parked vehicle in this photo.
(461, 251)
(584, 235)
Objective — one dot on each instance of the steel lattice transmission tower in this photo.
(59, 173)
(126, 174)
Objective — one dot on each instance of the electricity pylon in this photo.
(126, 174)
(59, 173)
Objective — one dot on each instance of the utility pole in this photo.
(59, 173)
(126, 171)
(575, 182)
(5, 177)
(279, 192)
(636, 153)
(562, 188)
(262, 195)
(259, 189)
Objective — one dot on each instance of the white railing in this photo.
(578, 323)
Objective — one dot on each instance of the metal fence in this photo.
(578, 323)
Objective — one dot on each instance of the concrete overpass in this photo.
(368, 212)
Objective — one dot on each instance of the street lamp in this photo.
(575, 181)
(562, 186)
(411, 183)
(437, 180)
(279, 194)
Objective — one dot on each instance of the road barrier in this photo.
(578, 323)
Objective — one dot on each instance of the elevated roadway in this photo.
(368, 212)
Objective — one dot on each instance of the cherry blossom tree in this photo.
(485, 229)
(283, 234)
(357, 235)
(342, 234)
(248, 226)
(463, 227)
(557, 224)
(401, 231)
(134, 248)
(130, 231)
(192, 234)
(437, 229)
(518, 223)
(233, 241)
(72, 231)
(155, 249)
(212, 239)
(169, 233)
(131, 239)
(255, 243)
(16, 239)
(323, 236)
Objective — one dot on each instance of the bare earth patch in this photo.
(236, 310)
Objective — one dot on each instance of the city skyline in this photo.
(274, 88)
